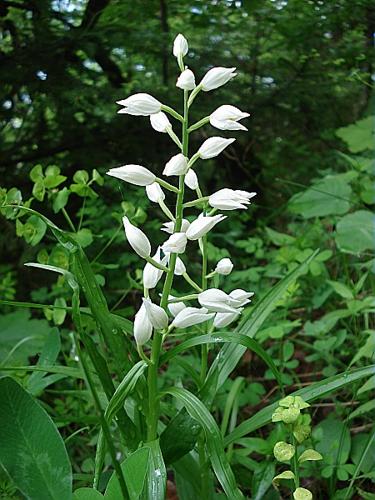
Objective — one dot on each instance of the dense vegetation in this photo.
(305, 247)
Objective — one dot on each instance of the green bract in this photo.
(283, 451)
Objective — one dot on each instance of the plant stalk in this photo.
(152, 379)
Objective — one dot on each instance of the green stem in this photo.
(166, 185)
(199, 124)
(295, 461)
(196, 201)
(82, 212)
(108, 244)
(152, 378)
(192, 283)
(203, 462)
(172, 112)
(69, 220)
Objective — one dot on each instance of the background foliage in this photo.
(305, 73)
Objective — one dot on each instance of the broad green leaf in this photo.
(309, 455)
(187, 476)
(229, 355)
(47, 357)
(179, 437)
(135, 468)
(31, 449)
(342, 289)
(34, 230)
(214, 440)
(330, 196)
(84, 237)
(310, 393)
(279, 239)
(362, 451)
(87, 494)
(21, 337)
(81, 177)
(355, 232)
(359, 136)
(61, 200)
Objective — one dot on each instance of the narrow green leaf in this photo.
(229, 355)
(87, 494)
(62, 370)
(116, 405)
(228, 337)
(135, 468)
(156, 479)
(310, 393)
(214, 440)
(31, 449)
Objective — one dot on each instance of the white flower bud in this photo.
(230, 199)
(134, 174)
(191, 316)
(202, 225)
(159, 122)
(226, 118)
(180, 268)
(186, 81)
(155, 193)
(216, 300)
(177, 165)
(180, 46)
(168, 227)
(213, 147)
(224, 319)
(191, 179)
(224, 267)
(142, 327)
(137, 239)
(156, 315)
(140, 105)
(151, 274)
(176, 243)
(175, 307)
(240, 297)
(216, 77)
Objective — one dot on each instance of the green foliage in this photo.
(31, 449)
(312, 316)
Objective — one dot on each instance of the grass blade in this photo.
(234, 338)
(229, 355)
(310, 393)
(214, 440)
